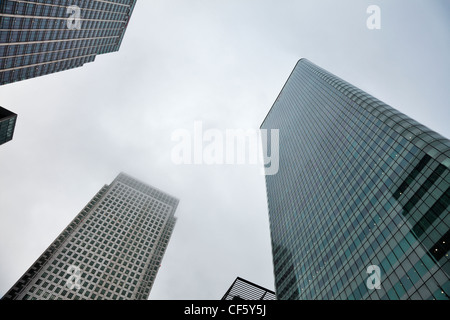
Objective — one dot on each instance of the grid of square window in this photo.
(333, 207)
(116, 246)
(35, 39)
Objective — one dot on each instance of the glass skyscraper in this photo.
(112, 250)
(42, 37)
(359, 184)
(7, 125)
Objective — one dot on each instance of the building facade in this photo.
(359, 185)
(7, 125)
(242, 289)
(112, 250)
(42, 37)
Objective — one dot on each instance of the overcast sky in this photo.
(222, 62)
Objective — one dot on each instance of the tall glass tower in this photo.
(112, 249)
(41, 37)
(360, 186)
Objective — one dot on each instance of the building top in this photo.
(7, 125)
(147, 189)
(434, 144)
(242, 289)
(6, 114)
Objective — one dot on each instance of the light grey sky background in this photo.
(222, 62)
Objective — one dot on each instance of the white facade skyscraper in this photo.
(111, 250)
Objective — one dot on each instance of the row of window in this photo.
(45, 47)
(24, 36)
(40, 25)
(91, 10)
(31, 72)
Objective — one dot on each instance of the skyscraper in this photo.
(111, 250)
(7, 125)
(242, 289)
(39, 38)
(361, 188)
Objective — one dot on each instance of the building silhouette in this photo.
(39, 38)
(112, 250)
(242, 289)
(359, 184)
(7, 125)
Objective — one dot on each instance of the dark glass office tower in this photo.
(112, 250)
(41, 37)
(7, 125)
(359, 184)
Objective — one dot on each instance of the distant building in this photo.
(7, 125)
(112, 250)
(359, 185)
(242, 289)
(42, 37)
